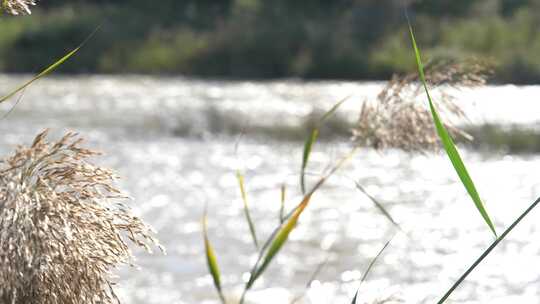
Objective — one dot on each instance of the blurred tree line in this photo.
(339, 39)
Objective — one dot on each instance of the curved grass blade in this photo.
(379, 206)
(310, 281)
(282, 207)
(19, 99)
(264, 257)
(280, 235)
(370, 267)
(240, 178)
(333, 109)
(355, 296)
(374, 260)
(211, 259)
(488, 251)
(50, 68)
(311, 140)
(449, 145)
(305, 157)
(280, 239)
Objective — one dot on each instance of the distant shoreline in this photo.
(60, 75)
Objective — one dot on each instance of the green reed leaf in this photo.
(211, 259)
(282, 207)
(449, 145)
(333, 109)
(50, 68)
(280, 236)
(379, 206)
(280, 239)
(252, 231)
(305, 157)
(310, 141)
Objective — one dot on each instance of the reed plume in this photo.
(16, 7)
(63, 226)
(397, 119)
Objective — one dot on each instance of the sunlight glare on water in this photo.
(173, 141)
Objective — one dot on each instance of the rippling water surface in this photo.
(173, 142)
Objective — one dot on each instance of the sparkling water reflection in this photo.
(172, 174)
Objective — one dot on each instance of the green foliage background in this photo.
(340, 39)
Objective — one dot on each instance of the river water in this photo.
(176, 144)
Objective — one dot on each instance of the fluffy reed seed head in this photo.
(398, 119)
(63, 226)
(16, 7)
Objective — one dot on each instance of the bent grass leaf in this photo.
(305, 157)
(280, 238)
(282, 207)
(311, 280)
(312, 139)
(378, 205)
(370, 267)
(449, 145)
(211, 259)
(333, 109)
(240, 178)
(49, 69)
(355, 296)
(14, 105)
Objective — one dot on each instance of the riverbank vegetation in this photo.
(57, 173)
(260, 39)
(278, 238)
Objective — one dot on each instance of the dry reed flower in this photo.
(63, 226)
(397, 119)
(16, 7)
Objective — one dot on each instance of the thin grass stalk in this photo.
(379, 206)
(370, 267)
(311, 279)
(488, 251)
(50, 68)
(282, 206)
(15, 104)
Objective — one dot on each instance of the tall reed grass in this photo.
(64, 225)
(392, 122)
(464, 176)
